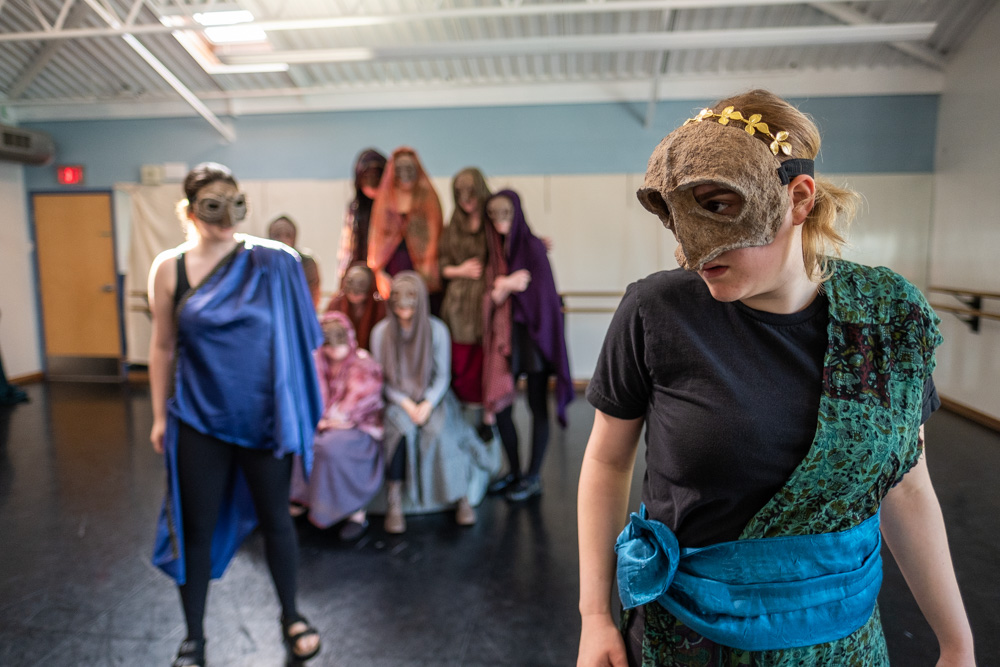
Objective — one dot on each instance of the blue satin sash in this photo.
(758, 594)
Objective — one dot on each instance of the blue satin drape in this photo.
(244, 373)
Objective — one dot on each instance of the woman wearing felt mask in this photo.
(359, 300)
(368, 168)
(523, 334)
(235, 398)
(406, 224)
(434, 459)
(283, 229)
(347, 467)
(783, 393)
(462, 257)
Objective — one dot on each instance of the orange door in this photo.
(79, 286)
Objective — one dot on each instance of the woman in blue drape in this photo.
(235, 397)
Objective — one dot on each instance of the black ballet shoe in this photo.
(500, 485)
(528, 487)
(292, 640)
(11, 395)
(191, 653)
(352, 531)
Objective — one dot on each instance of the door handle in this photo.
(107, 288)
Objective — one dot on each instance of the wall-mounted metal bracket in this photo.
(972, 314)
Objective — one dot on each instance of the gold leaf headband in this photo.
(753, 125)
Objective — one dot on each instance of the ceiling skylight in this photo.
(225, 27)
(221, 29)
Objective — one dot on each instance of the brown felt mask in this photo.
(358, 280)
(727, 156)
(334, 333)
(404, 295)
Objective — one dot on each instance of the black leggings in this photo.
(538, 403)
(204, 465)
(396, 470)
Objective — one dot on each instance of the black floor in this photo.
(80, 489)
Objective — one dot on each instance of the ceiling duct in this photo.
(25, 146)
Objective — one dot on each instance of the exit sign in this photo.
(69, 174)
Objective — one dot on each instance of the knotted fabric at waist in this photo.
(759, 594)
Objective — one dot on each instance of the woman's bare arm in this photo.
(602, 508)
(913, 528)
(162, 284)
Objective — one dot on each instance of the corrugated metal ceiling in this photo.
(66, 59)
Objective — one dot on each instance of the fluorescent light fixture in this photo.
(229, 17)
(234, 34)
(246, 69)
(345, 55)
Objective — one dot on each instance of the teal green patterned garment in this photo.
(880, 353)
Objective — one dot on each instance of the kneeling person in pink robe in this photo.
(347, 468)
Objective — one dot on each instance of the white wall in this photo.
(18, 312)
(965, 241)
(893, 225)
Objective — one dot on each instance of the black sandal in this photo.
(292, 640)
(190, 653)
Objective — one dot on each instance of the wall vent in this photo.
(25, 146)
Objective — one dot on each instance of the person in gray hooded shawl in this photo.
(432, 453)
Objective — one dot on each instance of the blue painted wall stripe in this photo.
(860, 135)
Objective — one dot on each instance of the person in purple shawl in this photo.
(523, 335)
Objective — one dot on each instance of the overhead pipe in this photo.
(337, 22)
(645, 41)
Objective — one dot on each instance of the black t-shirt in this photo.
(730, 396)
